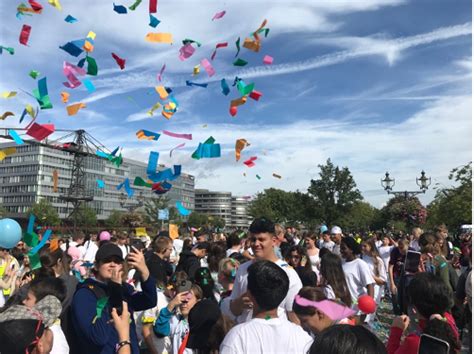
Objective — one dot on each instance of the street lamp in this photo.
(423, 182)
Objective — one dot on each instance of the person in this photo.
(26, 330)
(310, 240)
(384, 250)
(189, 260)
(263, 239)
(336, 237)
(95, 334)
(430, 300)
(158, 259)
(175, 324)
(316, 312)
(298, 259)
(203, 278)
(432, 256)
(202, 318)
(414, 238)
(358, 275)
(343, 339)
(38, 289)
(281, 243)
(226, 276)
(233, 244)
(371, 256)
(395, 273)
(9, 267)
(122, 326)
(122, 243)
(333, 281)
(266, 332)
(90, 245)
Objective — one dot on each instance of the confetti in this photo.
(255, 95)
(147, 135)
(25, 34)
(218, 45)
(9, 94)
(160, 75)
(208, 149)
(177, 147)
(240, 62)
(56, 4)
(65, 97)
(250, 162)
(240, 144)
(6, 115)
(153, 21)
(267, 60)
(120, 62)
(16, 138)
(208, 67)
(100, 183)
(218, 15)
(177, 135)
(159, 38)
(74, 108)
(120, 9)
(225, 87)
(55, 181)
(34, 74)
(6, 152)
(70, 19)
(8, 49)
(182, 210)
(190, 83)
(276, 176)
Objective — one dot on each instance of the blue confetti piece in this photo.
(154, 21)
(120, 9)
(15, 137)
(89, 85)
(70, 19)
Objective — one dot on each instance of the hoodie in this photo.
(189, 263)
(100, 336)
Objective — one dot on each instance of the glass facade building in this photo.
(27, 176)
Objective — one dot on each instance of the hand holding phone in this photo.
(412, 262)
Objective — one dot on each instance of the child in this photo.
(357, 272)
(174, 323)
(267, 286)
(317, 313)
(430, 299)
(333, 282)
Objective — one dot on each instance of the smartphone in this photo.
(412, 261)
(138, 244)
(115, 293)
(431, 345)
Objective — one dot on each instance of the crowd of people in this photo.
(268, 289)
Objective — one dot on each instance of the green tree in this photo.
(361, 216)
(46, 214)
(154, 205)
(3, 212)
(86, 217)
(114, 219)
(334, 193)
(197, 220)
(274, 204)
(216, 222)
(453, 206)
(408, 211)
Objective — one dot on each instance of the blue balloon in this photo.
(10, 233)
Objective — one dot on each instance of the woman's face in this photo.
(309, 242)
(316, 323)
(365, 248)
(188, 304)
(108, 266)
(295, 259)
(403, 248)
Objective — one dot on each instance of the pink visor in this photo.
(330, 308)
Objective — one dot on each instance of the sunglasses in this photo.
(115, 259)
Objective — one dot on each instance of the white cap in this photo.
(336, 230)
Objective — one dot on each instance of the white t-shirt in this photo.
(60, 345)
(161, 345)
(90, 249)
(240, 287)
(358, 276)
(382, 274)
(125, 249)
(177, 249)
(329, 245)
(231, 251)
(178, 330)
(74, 244)
(329, 292)
(384, 252)
(415, 245)
(275, 335)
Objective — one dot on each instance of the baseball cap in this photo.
(108, 250)
(104, 236)
(336, 230)
(323, 229)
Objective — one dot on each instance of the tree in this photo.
(46, 214)
(154, 205)
(133, 219)
(408, 211)
(274, 204)
(114, 219)
(334, 192)
(197, 220)
(216, 222)
(361, 217)
(453, 206)
(86, 217)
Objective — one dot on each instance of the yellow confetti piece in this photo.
(74, 108)
(6, 114)
(30, 110)
(162, 92)
(55, 3)
(154, 108)
(91, 35)
(9, 94)
(5, 152)
(159, 38)
(65, 96)
(238, 101)
(196, 70)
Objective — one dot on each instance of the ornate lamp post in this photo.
(423, 182)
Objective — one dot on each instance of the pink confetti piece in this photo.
(218, 45)
(250, 162)
(160, 75)
(186, 51)
(218, 15)
(177, 135)
(177, 147)
(267, 60)
(208, 67)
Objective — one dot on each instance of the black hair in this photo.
(331, 271)
(203, 278)
(48, 286)
(323, 251)
(430, 295)
(233, 239)
(262, 225)
(310, 293)
(18, 335)
(342, 339)
(307, 276)
(268, 284)
(50, 259)
(215, 253)
(352, 245)
(202, 245)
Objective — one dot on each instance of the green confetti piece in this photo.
(258, 177)
(101, 303)
(190, 41)
(35, 261)
(240, 62)
(135, 5)
(141, 182)
(8, 49)
(91, 66)
(31, 239)
(34, 74)
(237, 44)
(245, 89)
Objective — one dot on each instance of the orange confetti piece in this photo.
(65, 97)
(162, 92)
(159, 38)
(74, 108)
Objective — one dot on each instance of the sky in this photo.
(374, 85)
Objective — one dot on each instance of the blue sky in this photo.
(374, 85)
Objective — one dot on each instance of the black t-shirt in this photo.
(397, 259)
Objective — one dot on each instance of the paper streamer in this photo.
(237, 44)
(153, 21)
(182, 210)
(152, 6)
(120, 61)
(89, 85)
(74, 108)
(167, 174)
(177, 135)
(100, 183)
(250, 162)
(159, 38)
(190, 83)
(218, 45)
(276, 175)
(31, 224)
(16, 138)
(177, 147)
(218, 15)
(8, 49)
(9, 114)
(55, 181)
(225, 87)
(126, 184)
(40, 245)
(208, 149)
(240, 144)
(208, 67)
(25, 34)
(152, 162)
(147, 135)
(141, 182)
(160, 75)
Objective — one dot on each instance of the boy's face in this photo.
(188, 304)
(30, 299)
(262, 245)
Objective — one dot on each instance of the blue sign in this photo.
(163, 214)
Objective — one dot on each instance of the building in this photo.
(223, 205)
(27, 176)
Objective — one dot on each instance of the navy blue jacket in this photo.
(101, 337)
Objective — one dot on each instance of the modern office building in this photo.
(234, 210)
(27, 176)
